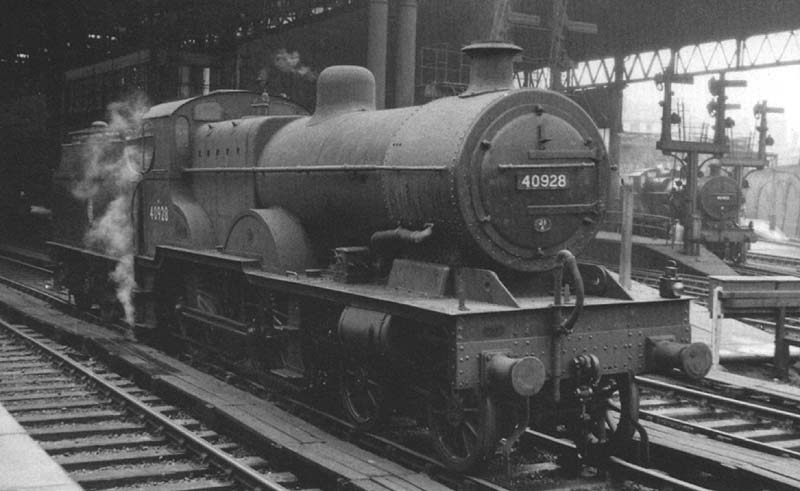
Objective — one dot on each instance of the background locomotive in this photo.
(414, 258)
(660, 203)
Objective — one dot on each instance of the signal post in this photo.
(693, 149)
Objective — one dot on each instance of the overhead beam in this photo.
(580, 27)
(730, 55)
(519, 19)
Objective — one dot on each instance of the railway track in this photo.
(109, 434)
(743, 423)
(791, 264)
(381, 443)
(33, 279)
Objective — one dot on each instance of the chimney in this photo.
(491, 66)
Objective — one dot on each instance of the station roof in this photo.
(37, 39)
(631, 26)
(624, 26)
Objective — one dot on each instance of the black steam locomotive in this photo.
(661, 200)
(417, 259)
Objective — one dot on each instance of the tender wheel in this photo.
(463, 425)
(362, 397)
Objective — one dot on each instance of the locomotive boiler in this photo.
(419, 259)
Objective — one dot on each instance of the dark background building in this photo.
(63, 61)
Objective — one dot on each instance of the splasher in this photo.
(112, 175)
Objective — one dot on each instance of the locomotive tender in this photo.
(414, 258)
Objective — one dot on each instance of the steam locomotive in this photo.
(661, 197)
(417, 259)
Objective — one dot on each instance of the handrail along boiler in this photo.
(404, 256)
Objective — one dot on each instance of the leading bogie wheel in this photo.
(463, 426)
(362, 395)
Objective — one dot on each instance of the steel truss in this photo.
(276, 14)
(759, 51)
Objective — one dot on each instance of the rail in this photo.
(741, 423)
(203, 449)
(792, 263)
(647, 476)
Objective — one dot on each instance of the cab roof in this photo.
(167, 109)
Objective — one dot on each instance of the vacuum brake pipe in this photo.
(565, 326)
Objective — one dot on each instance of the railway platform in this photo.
(24, 465)
(650, 253)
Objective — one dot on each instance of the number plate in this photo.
(532, 182)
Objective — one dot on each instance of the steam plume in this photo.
(110, 173)
(289, 62)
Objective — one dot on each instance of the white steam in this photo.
(289, 62)
(110, 174)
